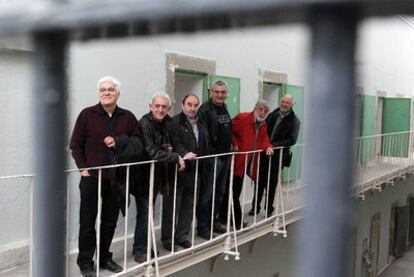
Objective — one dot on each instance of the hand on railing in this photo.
(269, 151)
(181, 164)
(85, 173)
(190, 156)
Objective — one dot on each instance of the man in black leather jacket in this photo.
(190, 140)
(156, 136)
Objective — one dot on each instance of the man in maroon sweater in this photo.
(92, 144)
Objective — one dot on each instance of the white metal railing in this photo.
(379, 160)
(382, 158)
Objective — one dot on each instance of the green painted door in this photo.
(200, 75)
(396, 118)
(233, 99)
(366, 146)
(295, 170)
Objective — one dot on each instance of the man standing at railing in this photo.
(249, 132)
(190, 140)
(91, 143)
(156, 129)
(283, 129)
(216, 117)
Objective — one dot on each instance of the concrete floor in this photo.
(401, 267)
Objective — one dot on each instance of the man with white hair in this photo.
(157, 138)
(283, 129)
(92, 142)
(249, 132)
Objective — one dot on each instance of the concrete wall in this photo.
(380, 202)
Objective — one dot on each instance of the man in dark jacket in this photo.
(92, 144)
(282, 129)
(216, 117)
(156, 136)
(190, 140)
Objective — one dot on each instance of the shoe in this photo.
(185, 244)
(270, 212)
(251, 212)
(140, 259)
(205, 234)
(220, 228)
(110, 265)
(245, 224)
(167, 246)
(143, 258)
(88, 270)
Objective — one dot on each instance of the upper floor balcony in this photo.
(379, 160)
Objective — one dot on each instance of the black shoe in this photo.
(205, 234)
(110, 265)
(245, 224)
(185, 244)
(220, 228)
(251, 212)
(270, 212)
(88, 270)
(167, 246)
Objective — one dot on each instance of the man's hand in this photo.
(85, 173)
(269, 151)
(181, 164)
(190, 156)
(235, 148)
(109, 141)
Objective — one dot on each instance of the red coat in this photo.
(243, 136)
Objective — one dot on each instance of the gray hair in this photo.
(163, 95)
(220, 83)
(111, 79)
(261, 103)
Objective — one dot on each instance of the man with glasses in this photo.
(92, 143)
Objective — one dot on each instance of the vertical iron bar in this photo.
(49, 194)
(329, 152)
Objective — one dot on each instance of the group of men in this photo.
(106, 134)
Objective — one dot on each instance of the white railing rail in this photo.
(379, 160)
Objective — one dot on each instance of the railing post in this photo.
(49, 194)
(329, 153)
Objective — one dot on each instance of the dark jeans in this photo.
(141, 226)
(237, 189)
(263, 178)
(88, 211)
(183, 210)
(206, 192)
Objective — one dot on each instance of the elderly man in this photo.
(215, 115)
(157, 138)
(282, 129)
(249, 132)
(191, 140)
(92, 143)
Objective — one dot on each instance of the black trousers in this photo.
(237, 189)
(88, 211)
(262, 184)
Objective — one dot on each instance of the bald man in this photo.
(283, 129)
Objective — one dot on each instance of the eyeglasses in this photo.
(111, 89)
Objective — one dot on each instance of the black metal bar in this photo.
(328, 225)
(181, 15)
(49, 195)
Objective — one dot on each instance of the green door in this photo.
(396, 118)
(233, 99)
(295, 170)
(366, 147)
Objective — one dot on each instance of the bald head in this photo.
(286, 103)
